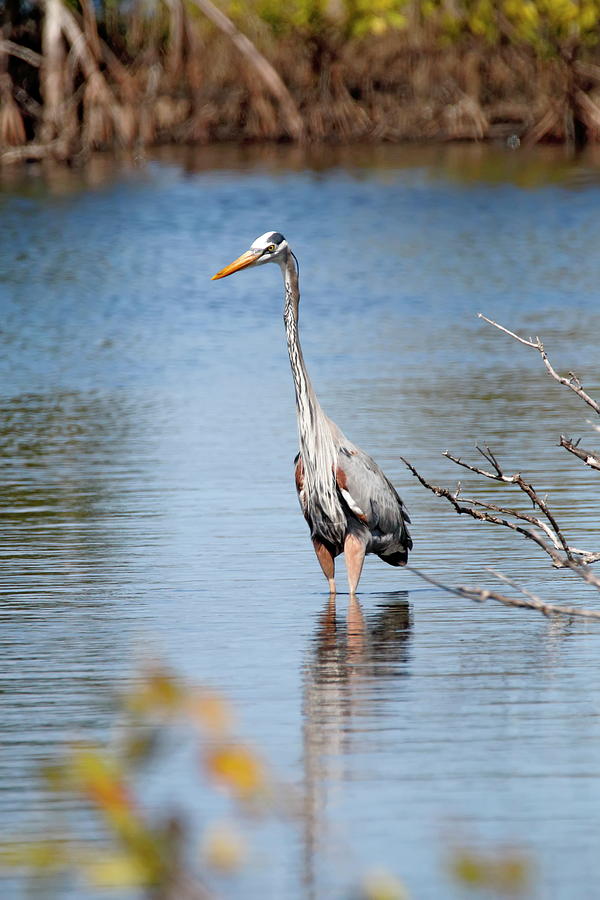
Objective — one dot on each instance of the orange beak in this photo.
(242, 262)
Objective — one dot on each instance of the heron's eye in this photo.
(271, 248)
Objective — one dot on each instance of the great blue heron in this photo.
(348, 502)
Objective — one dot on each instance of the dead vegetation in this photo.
(533, 518)
(84, 76)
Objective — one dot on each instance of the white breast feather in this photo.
(352, 503)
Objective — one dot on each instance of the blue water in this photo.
(147, 432)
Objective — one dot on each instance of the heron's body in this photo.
(348, 502)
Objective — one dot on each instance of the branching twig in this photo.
(556, 546)
(583, 571)
(525, 517)
(559, 551)
(590, 458)
(529, 601)
(524, 486)
(557, 558)
(571, 382)
(515, 584)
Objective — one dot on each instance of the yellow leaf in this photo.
(118, 871)
(101, 779)
(37, 855)
(238, 768)
(381, 885)
(505, 872)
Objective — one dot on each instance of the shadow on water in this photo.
(346, 683)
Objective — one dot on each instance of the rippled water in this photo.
(146, 436)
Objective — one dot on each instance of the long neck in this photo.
(319, 453)
(307, 405)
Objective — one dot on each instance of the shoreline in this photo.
(461, 162)
(74, 84)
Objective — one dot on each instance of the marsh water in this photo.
(147, 432)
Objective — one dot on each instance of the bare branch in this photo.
(528, 343)
(82, 51)
(571, 382)
(459, 462)
(546, 534)
(586, 557)
(563, 556)
(24, 53)
(581, 570)
(515, 584)
(525, 517)
(487, 454)
(529, 601)
(524, 486)
(57, 149)
(590, 458)
(461, 509)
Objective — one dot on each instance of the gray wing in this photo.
(371, 497)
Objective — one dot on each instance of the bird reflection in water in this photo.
(350, 676)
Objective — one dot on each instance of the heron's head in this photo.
(269, 247)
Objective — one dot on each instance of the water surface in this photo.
(147, 433)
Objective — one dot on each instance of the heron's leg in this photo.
(354, 554)
(326, 562)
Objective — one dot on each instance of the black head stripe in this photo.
(276, 238)
(296, 261)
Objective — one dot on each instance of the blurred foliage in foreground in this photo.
(77, 75)
(150, 852)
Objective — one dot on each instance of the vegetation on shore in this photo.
(76, 75)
